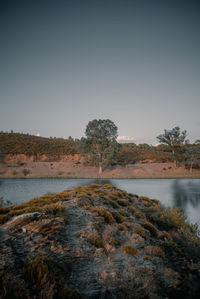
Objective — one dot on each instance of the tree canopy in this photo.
(100, 141)
(175, 139)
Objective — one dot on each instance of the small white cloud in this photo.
(125, 138)
(38, 134)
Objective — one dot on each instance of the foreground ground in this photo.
(76, 169)
(97, 242)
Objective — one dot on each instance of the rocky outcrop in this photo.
(97, 242)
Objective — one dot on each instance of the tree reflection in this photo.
(186, 192)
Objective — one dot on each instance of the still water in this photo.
(184, 193)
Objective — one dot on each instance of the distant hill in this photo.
(16, 143)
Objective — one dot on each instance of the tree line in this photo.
(100, 147)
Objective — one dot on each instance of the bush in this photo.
(25, 172)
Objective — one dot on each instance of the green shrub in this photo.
(25, 172)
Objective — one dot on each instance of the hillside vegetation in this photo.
(16, 143)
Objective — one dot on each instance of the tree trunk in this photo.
(100, 164)
(191, 165)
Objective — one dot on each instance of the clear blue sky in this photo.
(64, 63)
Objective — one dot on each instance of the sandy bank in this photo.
(73, 169)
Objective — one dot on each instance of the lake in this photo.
(183, 193)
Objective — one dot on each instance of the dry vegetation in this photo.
(90, 227)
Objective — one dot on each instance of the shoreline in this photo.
(70, 170)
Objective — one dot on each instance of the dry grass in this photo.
(95, 186)
(130, 250)
(108, 186)
(166, 218)
(146, 199)
(136, 212)
(118, 217)
(155, 251)
(122, 227)
(45, 279)
(151, 228)
(123, 202)
(4, 219)
(165, 236)
(140, 231)
(108, 217)
(95, 239)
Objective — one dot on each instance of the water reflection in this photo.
(186, 193)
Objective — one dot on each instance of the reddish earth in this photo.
(74, 167)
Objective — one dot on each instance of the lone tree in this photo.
(175, 139)
(101, 141)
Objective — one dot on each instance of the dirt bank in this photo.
(75, 169)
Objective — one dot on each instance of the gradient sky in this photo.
(64, 63)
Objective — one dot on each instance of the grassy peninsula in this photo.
(97, 241)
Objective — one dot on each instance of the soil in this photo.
(74, 168)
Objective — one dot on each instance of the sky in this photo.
(64, 63)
